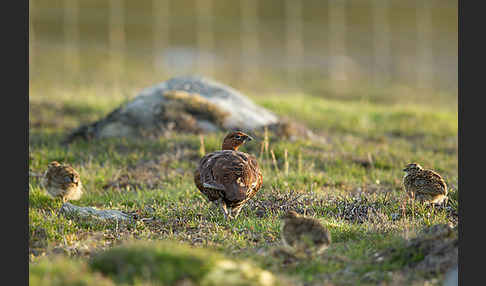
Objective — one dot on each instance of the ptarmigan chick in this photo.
(304, 235)
(424, 185)
(62, 181)
(229, 177)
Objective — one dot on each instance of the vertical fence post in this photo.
(116, 42)
(205, 37)
(294, 44)
(161, 31)
(424, 49)
(337, 44)
(381, 42)
(71, 36)
(250, 50)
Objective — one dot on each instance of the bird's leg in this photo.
(225, 210)
(236, 211)
(231, 213)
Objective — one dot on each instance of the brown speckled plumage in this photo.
(229, 177)
(304, 235)
(424, 185)
(62, 181)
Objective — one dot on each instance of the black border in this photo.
(15, 115)
(471, 182)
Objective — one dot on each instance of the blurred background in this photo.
(350, 49)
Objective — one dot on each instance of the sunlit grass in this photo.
(324, 179)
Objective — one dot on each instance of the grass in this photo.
(350, 180)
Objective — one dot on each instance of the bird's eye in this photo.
(237, 136)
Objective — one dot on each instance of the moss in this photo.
(64, 271)
(170, 263)
(164, 262)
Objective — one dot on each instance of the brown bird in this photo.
(62, 181)
(424, 185)
(303, 234)
(229, 177)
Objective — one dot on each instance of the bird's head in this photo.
(53, 164)
(412, 167)
(290, 215)
(234, 140)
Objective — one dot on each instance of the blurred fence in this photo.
(243, 42)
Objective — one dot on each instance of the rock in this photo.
(185, 104)
(70, 210)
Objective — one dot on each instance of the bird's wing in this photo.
(257, 179)
(429, 182)
(70, 175)
(439, 181)
(206, 165)
(211, 193)
(231, 172)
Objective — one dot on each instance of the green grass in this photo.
(153, 178)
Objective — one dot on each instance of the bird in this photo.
(424, 185)
(303, 234)
(228, 177)
(62, 181)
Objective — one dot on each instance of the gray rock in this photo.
(243, 112)
(70, 210)
(150, 112)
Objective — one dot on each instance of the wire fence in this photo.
(300, 42)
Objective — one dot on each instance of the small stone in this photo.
(71, 210)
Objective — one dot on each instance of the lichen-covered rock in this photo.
(72, 211)
(184, 104)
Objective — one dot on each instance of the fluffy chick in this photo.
(424, 185)
(62, 181)
(304, 235)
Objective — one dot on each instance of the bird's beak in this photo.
(249, 138)
(404, 170)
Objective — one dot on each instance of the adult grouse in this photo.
(229, 177)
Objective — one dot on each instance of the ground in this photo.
(349, 178)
